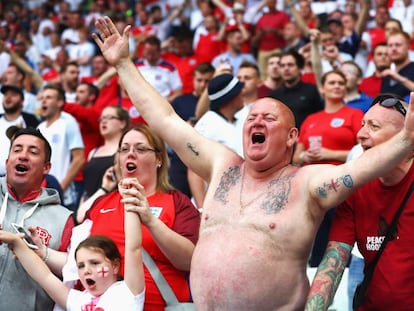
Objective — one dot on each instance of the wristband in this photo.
(104, 189)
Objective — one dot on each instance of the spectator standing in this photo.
(268, 37)
(302, 98)
(16, 76)
(183, 58)
(87, 116)
(365, 216)
(113, 122)
(219, 123)
(62, 132)
(206, 43)
(399, 78)
(98, 262)
(30, 206)
(70, 35)
(170, 222)
(353, 97)
(83, 53)
(69, 80)
(12, 104)
(326, 137)
(162, 75)
(372, 85)
(233, 56)
(273, 79)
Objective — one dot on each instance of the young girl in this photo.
(98, 261)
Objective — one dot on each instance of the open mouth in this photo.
(258, 138)
(130, 167)
(21, 168)
(90, 282)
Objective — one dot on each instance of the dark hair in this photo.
(92, 88)
(13, 132)
(153, 40)
(204, 68)
(381, 44)
(57, 88)
(299, 59)
(67, 65)
(397, 21)
(100, 243)
(247, 64)
(19, 71)
(123, 115)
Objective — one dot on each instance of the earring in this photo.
(159, 165)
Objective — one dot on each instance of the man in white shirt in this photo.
(62, 132)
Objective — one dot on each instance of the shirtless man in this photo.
(260, 214)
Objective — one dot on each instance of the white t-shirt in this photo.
(215, 127)
(63, 135)
(163, 77)
(117, 297)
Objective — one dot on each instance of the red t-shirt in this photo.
(185, 66)
(364, 217)
(208, 47)
(371, 86)
(337, 130)
(274, 20)
(176, 211)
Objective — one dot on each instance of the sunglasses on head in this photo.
(391, 102)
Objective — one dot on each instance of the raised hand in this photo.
(114, 47)
(134, 199)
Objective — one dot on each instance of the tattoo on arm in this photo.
(193, 149)
(229, 179)
(334, 185)
(328, 276)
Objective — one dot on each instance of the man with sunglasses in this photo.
(365, 217)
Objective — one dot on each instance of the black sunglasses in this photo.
(391, 102)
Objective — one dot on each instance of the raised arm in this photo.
(297, 17)
(193, 149)
(132, 197)
(316, 56)
(36, 268)
(332, 185)
(23, 65)
(362, 17)
(328, 276)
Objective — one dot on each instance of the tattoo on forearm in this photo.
(328, 277)
(334, 185)
(315, 303)
(229, 179)
(193, 149)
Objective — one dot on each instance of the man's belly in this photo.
(245, 269)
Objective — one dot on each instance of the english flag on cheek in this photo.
(103, 271)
